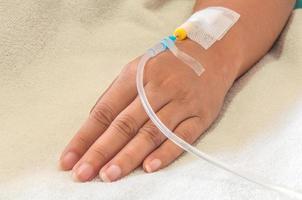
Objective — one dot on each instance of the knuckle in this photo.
(129, 158)
(126, 126)
(153, 87)
(130, 68)
(187, 136)
(103, 113)
(151, 133)
(82, 141)
(101, 153)
(175, 84)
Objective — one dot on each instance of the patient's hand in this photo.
(118, 135)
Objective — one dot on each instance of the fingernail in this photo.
(112, 173)
(83, 173)
(69, 160)
(153, 165)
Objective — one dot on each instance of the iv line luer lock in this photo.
(204, 27)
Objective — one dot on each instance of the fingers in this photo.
(147, 139)
(112, 102)
(120, 132)
(166, 153)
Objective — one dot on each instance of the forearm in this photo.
(253, 35)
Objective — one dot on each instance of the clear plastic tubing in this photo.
(168, 43)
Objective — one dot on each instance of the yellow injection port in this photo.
(180, 34)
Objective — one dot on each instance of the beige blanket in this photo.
(56, 58)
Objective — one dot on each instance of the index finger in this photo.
(117, 97)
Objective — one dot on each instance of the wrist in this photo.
(218, 59)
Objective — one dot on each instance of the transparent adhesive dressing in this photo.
(168, 44)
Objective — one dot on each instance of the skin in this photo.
(117, 137)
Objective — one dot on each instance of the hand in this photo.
(118, 136)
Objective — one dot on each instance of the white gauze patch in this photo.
(209, 25)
